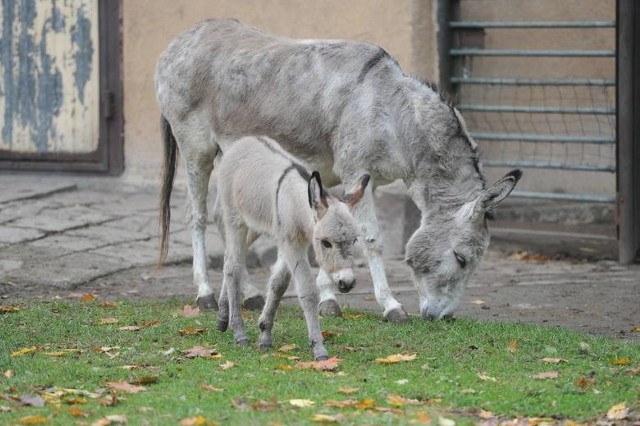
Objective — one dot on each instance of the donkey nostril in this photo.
(344, 287)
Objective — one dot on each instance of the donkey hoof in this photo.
(253, 303)
(207, 302)
(398, 315)
(322, 358)
(243, 342)
(264, 346)
(330, 308)
(222, 325)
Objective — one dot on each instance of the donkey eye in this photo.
(325, 243)
(461, 259)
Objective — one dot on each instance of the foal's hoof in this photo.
(322, 358)
(222, 325)
(207, 302)
(253, 303)
(329, 308)
(243, 342)
(398, 315)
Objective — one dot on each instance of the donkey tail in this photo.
(168, 176)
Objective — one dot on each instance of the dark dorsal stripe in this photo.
(372, 63)
(304, 174)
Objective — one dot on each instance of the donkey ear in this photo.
(317, 197)
(353, 197)
(497, 192)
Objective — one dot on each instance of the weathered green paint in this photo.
(49, 76)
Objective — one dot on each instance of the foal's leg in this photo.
(253, 300)
(365, 214)
(329, 306)
(234, 265)
(198, 151)
(278, 283)
(298, 262)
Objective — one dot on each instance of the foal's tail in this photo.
(168, 175)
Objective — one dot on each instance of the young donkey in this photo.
(263, 189)
(346, 108)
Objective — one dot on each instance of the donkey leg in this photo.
(278, 283)
(234, 264)
(372, 242)
(198, 152)
(253, 300)
(328, 306)
(298, 262)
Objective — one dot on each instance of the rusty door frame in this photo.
(108, 157)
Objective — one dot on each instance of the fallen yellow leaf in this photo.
(287, 348)
(422, 418)
(553, 360)
(366, 403)
(486, 377)
(618, 412)
(6, 309)
(88, 297)
(24, 351)
(125, 387)
(348, 391)
(130, 328)
(209, 388)
(77, 412)
(327, 418)
(195, 421)
(32, 420)
(107, 304)
(301, 403)
(110, 320)
(620, 361)
(400, 401)
(201, 351)
(227, 365)
(110, 420)
(190, 331)
(546, 375)
(485, 414)
(512, 346)
(393, 359)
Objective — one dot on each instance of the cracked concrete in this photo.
(60, 236)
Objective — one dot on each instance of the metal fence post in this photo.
(628, 122)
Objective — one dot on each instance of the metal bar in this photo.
(532, 24)
(534, 53)
(444, 43)
(548, 165)
(533, 82)
(535, 109)
(524, 137)
(566, 197)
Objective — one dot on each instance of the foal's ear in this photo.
(497, 192)
(353, 197)
(317, 197)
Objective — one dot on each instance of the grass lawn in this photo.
(91, 362)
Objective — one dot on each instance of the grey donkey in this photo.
(346, 108)
(264, 190)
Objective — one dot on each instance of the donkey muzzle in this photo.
(345, 280)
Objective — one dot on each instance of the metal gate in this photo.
(60, 85)
(536, 84)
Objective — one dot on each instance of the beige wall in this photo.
(405, 28)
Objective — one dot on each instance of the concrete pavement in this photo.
(61, 236)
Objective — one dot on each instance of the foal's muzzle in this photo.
(344, 280)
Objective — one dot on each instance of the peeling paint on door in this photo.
(49, 93)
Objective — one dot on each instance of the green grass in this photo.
(445, 376)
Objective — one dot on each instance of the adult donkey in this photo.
(345, 108)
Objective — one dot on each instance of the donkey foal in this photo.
(263, 189)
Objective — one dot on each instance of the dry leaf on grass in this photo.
(88, 297)
(330, 364)
(32, 420)
(209, 388)
(512, 347)
(393, 359)
(8, 374)
(620, 361)
(400, 401)
(189, 311)
(327, 418)
(546, 375)
(105, 321)
(584, 382)
(7, 309)
(553, 360)
(327, 334)
(618, 412)
(107, 304)
(109, 400)
(348, 391)
(130, 328)
(486, 377)
(227, 365)
(301, 403)
(78, 412)
(196, 421)
(201, 352)
(635, 329)
(24, 351)
(486, 415)
(125, 387)
(111, 420)
(287, 348)
(191, 331)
